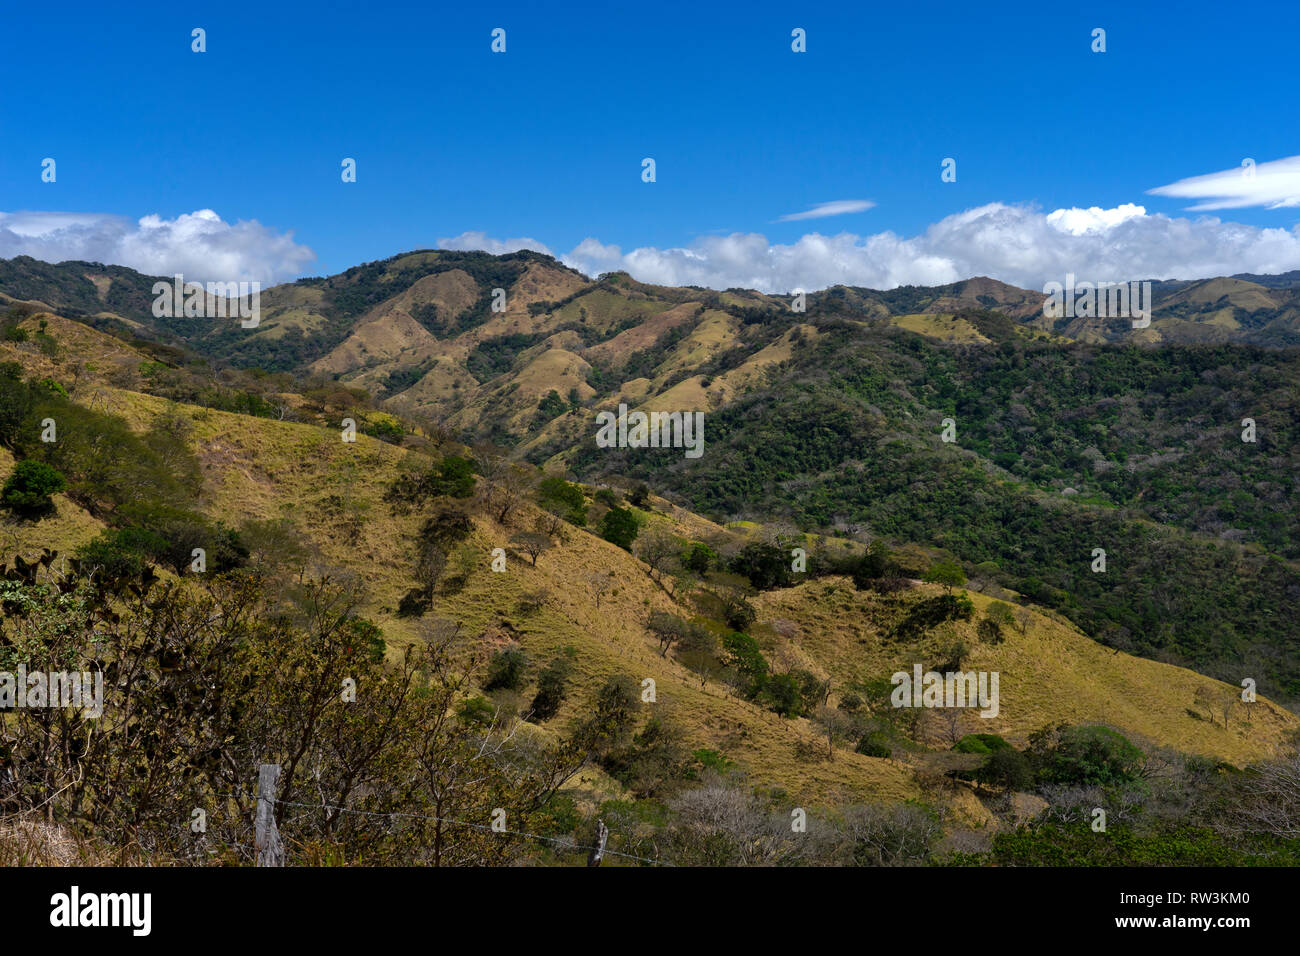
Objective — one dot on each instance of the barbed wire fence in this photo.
(269, 848)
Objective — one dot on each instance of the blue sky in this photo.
(546, 140)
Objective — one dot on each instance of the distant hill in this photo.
(1071, 435)
(823, 433)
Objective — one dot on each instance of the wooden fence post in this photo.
(270, 851)
(598, 851)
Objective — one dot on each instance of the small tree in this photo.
(1024, 617)
(1001, 614)
(506, 670)
(28, 490)
(657, 547)
(639, 496)
(668, 629)
(552, 687)
(600, 584)
(699, 557)
(947, 573)
(1007, 768)
(532, 543)
(619, 526)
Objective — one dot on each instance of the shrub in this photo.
(947, 573)
(563, 498)
(551, 690)
(766, 565)
(506, 670)
(699, 557)
(980, 744)
(1007, 767)
(28, 490)
(743, 656)
(120, 552)
(781, 693)
(874, 744)
(619, 526)
(989, 631)
(1085, 755)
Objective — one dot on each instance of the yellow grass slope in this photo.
(1050, 674)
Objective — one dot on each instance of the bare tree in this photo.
(1271, 801)
(532, 543)
(600, 584)
(552, 525)
(668, 629)
(657, 547)
(505, 484)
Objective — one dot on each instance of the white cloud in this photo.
(1018, 244)
(199, 245)
(1094, 219)
(482, 242)
(838, 207)
(1274, 184)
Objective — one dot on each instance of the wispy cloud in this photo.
(1273, 184)
(838, 207)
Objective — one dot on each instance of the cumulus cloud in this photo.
(1274, 184)
(482, 242)
(199, 245)
(838, 207)
(1019, 244)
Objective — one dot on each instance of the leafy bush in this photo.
(552, 687)
(750, 667)
(506, 670)
(563, 498)
(1084, 755)
(28, 490)
(699, 557)
(981, 744)
(1008, 768)
(766, 565)
(620, 526)
(874, 744)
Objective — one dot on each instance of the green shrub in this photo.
(552, 688)
(981, 744)
(563, 498)
(619, 526)
(1085, 755)
(28, 490)
(874, 744)
(699, 557)
(1007, 767)
(506, 670)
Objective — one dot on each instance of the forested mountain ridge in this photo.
(534, 610)
(832, 416)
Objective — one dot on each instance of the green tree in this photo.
(28, 490)
(506, 670)
(743, 656)
(552, 688)
(947, 573)
(699, 557)
(619, 526)
(1084, 755)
